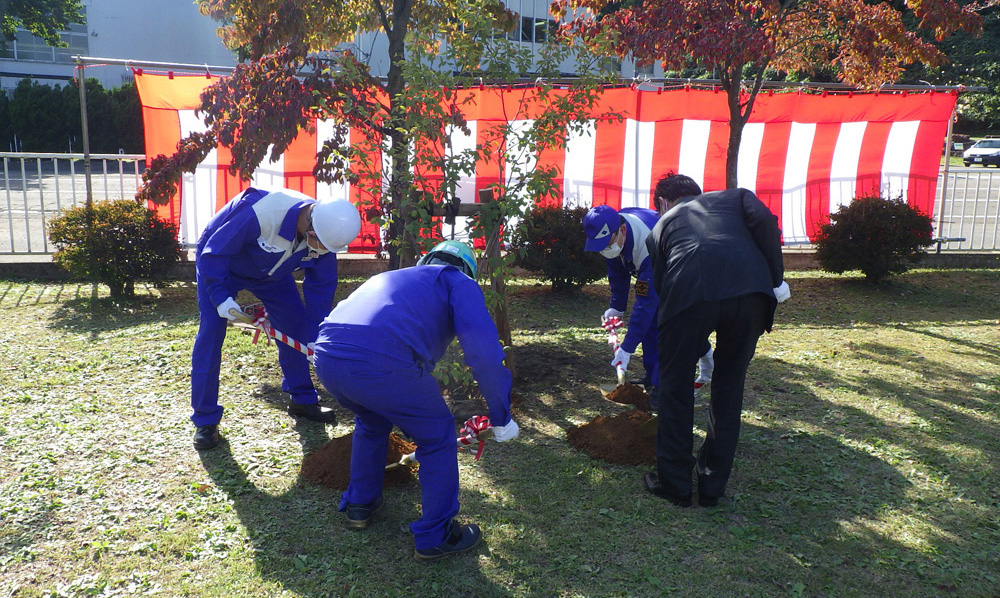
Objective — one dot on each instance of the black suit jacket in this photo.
(715, 246)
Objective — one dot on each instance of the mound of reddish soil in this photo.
(616, 439)
(330, 466)
(630, 394)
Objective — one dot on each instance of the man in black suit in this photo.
(717, 266)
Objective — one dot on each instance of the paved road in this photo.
(32, 196)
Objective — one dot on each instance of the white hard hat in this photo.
(336, 223)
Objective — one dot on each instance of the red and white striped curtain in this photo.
(803, 154)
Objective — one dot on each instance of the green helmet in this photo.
(454, 253)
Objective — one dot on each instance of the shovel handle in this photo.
(241, 315)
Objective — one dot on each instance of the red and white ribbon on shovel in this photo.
(475, 429)
(612, 325)
(256, 316)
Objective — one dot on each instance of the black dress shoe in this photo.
(708, 501)
(653, 485)
(206, 437)
(359, 516)
(460, 539)
(314, 412)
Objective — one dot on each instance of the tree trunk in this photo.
(401, 243)
(491, 270)
(731, 82)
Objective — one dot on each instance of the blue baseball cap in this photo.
(600, 224)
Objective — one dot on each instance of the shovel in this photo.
(475, 429)
(607, 389)
(612, 325)
(262, 325)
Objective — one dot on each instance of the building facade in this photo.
(142, 30)
(173, 31)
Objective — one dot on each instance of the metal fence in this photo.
(37, 187)
(967, 210)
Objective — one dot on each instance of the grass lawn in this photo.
(868, 462)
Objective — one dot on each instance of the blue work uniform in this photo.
(252, 244)
(634, 261)
(375, 354)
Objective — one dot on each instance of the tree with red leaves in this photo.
(866, 43)
(298, 70)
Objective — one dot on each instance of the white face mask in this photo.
(315, 252)
(611, 251)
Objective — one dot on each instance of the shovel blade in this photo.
(648, 427)
(607, 389)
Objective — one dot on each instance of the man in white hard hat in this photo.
(255, 243)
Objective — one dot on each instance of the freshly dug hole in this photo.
(330, 465)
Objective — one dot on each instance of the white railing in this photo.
(969, 217)
(37, 187)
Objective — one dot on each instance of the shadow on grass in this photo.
(300, 540)
(172, 305)
(943, 296)
(621, 540)
(941, 438)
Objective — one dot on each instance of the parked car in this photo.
(985, 151)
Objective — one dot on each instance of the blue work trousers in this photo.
(285, 310)
(383, 392)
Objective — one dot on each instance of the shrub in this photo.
(128, 242)
(550, 240)
(877, 236)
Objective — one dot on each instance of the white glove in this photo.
(621, 359)
(706, 365)
(611, 313)
(781, 292)
(228, 304)
(508, 432)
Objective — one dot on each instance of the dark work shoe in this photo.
(708, 501)
(359, 516)
(461, 538)
(206, 437)
(314, 412)
(653, 485)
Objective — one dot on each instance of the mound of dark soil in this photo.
(616, 439)
(631, 394)
(330, 466)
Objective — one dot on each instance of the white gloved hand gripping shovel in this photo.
(475, 429)
(612, 325)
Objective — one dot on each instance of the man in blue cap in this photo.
(375, 354)
(620, 237)
(255, 242)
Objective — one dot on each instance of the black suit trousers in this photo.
(738, 323)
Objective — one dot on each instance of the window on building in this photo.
(515, 35)
(535, 30)
(644, 69)
(26, 46)
(527, 29)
